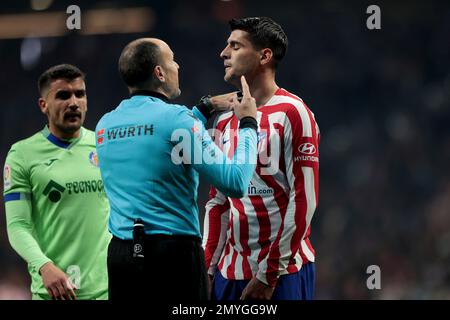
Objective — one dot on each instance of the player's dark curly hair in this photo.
(137, 62)
(61, 71)
(264, 33)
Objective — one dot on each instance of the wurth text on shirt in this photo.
(125, 132)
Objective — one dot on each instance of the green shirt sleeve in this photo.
(19, 224)
(20, 233)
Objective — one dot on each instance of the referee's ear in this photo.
(159, 73)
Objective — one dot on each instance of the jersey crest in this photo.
(6, 177)
(93, 158)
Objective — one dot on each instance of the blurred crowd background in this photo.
(381, 98)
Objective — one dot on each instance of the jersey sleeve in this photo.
(215, 228)
(197, 113)
(301, 153)
(19, 225)
(193, 146)
(15, 178)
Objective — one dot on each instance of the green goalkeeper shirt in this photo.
(57, 210)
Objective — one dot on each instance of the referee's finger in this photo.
(245, 88)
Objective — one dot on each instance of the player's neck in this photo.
(262, 88)
(63, 135)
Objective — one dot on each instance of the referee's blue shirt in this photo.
(150, 153)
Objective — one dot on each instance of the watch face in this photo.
(205, 105)
(206, 100)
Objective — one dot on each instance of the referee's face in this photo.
(65, 104)
(239, 58)
(171, 83)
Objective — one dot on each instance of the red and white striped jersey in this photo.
(266, 233)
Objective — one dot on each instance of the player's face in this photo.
(170, 67)
(65, 104)
(239, 57)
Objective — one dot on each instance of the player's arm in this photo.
(231, 176)
(215, 228)
(208, 105)
(215, 222)
(215, 231)
(19, 226)
(196, 148)
(301, 140)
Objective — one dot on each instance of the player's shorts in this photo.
(100, 296)
(295, 286)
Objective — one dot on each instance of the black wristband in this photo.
(205, 107)
(248, 122)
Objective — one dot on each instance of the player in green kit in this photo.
(56, 207)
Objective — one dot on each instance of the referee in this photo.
(150, 154)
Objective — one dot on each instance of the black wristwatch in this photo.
(205, 106)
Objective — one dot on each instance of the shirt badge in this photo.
(7, 177)
(93, 158)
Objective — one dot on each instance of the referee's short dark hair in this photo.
(264, 33)
(137, 62)
(61, 71)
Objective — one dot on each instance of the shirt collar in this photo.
(149, 93)
(60, 142)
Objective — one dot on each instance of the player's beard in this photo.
(233, 79)
(68, 126)
(230, 77)
(233, 75)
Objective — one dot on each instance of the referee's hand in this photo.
(223, 102)
(57, 283)
(247, 106)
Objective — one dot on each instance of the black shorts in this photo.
(173, 269)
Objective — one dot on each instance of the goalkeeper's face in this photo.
(65, 104)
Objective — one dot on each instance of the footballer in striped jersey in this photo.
(258, 247)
